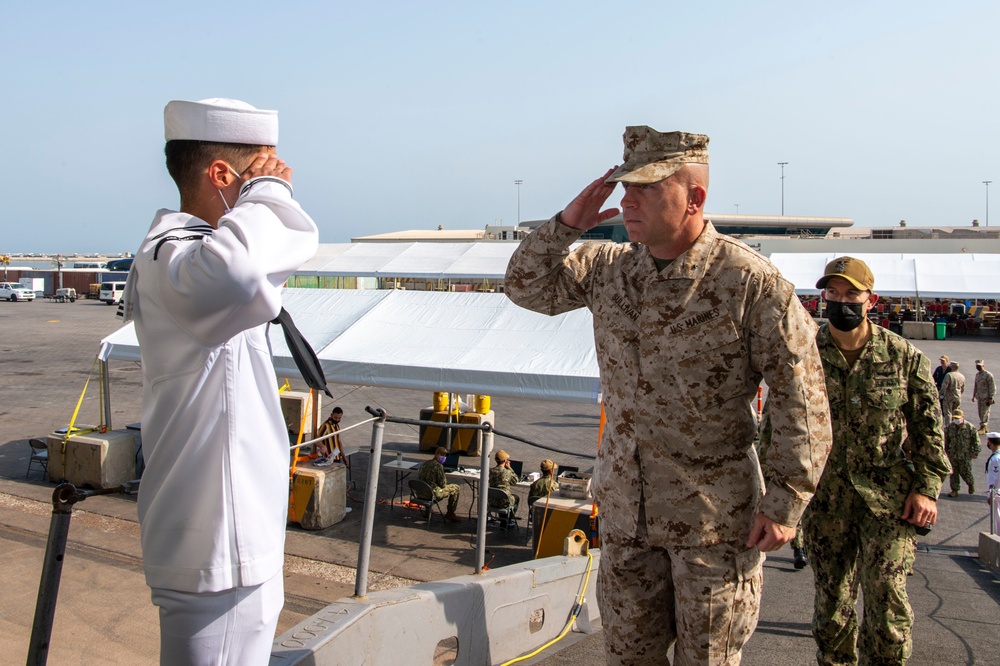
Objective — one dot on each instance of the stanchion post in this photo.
(106, 386)
(48, 587)
(993, 513)
(368, 515)
(484, 493)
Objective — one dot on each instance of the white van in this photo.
(111, 292)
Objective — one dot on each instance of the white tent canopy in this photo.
(432, 261)
(440, 341)
(926, 275)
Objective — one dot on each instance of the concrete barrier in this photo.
(918, 330)
(488, 619)
(989, 550)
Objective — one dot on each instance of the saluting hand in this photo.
(269, 165)
(584, 212)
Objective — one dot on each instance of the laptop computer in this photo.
(451, 462)
(517, 466)
(568, 468)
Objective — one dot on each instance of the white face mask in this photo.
(957, 421)
(223, 197)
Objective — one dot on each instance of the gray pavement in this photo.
(104, 614)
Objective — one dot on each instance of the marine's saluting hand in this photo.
(584, 212)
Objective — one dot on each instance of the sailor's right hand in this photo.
(269, 165)
(584, 212)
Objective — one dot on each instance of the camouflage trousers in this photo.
(961, 467)
(851, 547)
(704, 601)
(450, 491)
(948, 407)
(797, 540)
(984, 405)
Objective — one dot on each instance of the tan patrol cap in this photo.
(958, 414)
(501, 456)
(651, 156)
(853, 270)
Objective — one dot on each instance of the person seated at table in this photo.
(503, 477)
(544, 485)
(432, 473)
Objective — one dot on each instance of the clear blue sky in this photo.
(407, 115)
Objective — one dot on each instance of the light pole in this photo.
(987, 184)
(737, 208)
(518, 183)
(782, 165)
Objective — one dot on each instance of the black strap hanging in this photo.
(302, 353)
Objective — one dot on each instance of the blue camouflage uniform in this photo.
(853, 528)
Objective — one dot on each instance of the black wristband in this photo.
(247, 186)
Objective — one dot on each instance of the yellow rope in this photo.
(72, 421)
(295, 455)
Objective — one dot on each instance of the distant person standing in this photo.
(859, 527)
(961, 442)
(940, 372)
(330, 449)
(204, 285)
(993, 479)
(952, 388)
(983, 391)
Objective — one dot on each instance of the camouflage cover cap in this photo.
(651, 156)
(853, 270)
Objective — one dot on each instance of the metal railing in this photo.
(63, 498)
(368, 511)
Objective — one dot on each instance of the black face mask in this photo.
(845, 316)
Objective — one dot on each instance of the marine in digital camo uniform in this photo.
(686, 323)
(961, 443)
(952, 388)
(983, 391)
(859, 527)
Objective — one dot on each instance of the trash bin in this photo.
(941, 328)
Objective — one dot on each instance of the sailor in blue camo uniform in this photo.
(961, 443)
(859, 527)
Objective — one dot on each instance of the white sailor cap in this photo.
(993, 435)
(220, 120)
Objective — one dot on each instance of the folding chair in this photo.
(500, 510)
(422, 494)
(39, 456)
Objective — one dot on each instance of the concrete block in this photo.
(918, 330)
(319, 496)
(989, 551)
(97, 460)
(464, 441)
(293, 404)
